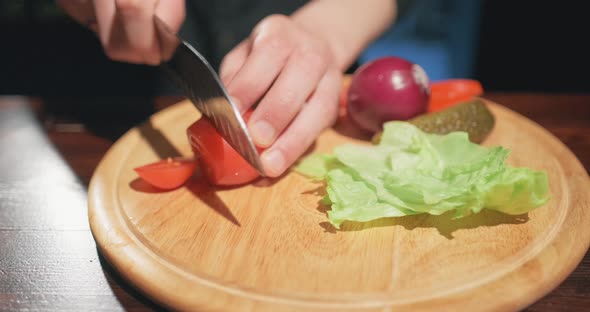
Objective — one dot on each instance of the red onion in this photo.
(385, 89)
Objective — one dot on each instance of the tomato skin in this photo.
(343, 99)
(167, 174)
(219, 162)
(446, 93)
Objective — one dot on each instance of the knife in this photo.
(201, 84)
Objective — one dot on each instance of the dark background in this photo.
(523, 46)
(536, 46)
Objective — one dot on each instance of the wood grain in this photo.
(48, 259)
(267, 246)
(36, 274)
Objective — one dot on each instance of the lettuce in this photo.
(411, 172)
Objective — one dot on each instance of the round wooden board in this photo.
(267, 246)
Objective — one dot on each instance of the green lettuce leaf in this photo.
(412, 172)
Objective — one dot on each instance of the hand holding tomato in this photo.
(292, 72)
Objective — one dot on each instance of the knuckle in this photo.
(285, 101)
(271, 32)
(275, 20)
(314, 57)
(272, 42)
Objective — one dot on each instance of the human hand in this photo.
(293, 73)
(126, 27)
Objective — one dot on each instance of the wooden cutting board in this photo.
(267, 246)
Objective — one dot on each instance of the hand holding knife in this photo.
(195, 76)
(289, 66)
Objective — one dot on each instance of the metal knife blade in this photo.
(201, 84)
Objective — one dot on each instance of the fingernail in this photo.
(263, 133)
(273, 162)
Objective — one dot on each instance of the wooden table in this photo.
(48, 258)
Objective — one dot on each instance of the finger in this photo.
(171, 12)
(109, 33)
(271, 47)
(120, 31)
(287, 95)
(136, 17)
(234, 61)
(319, 113)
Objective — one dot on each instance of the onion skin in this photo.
(389, 88)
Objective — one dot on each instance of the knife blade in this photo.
(201, 84)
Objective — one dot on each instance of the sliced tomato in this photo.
(219, 162)
(446, 93)
(169, 173)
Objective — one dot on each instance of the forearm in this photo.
(349, 26)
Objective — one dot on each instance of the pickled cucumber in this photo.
(471, 116)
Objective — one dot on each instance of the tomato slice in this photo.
(219, 162)
(446, 93)
(167, 174)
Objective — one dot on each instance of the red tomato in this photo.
(219, 162)
(346, 80)
(169, 173)
(446, 93)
